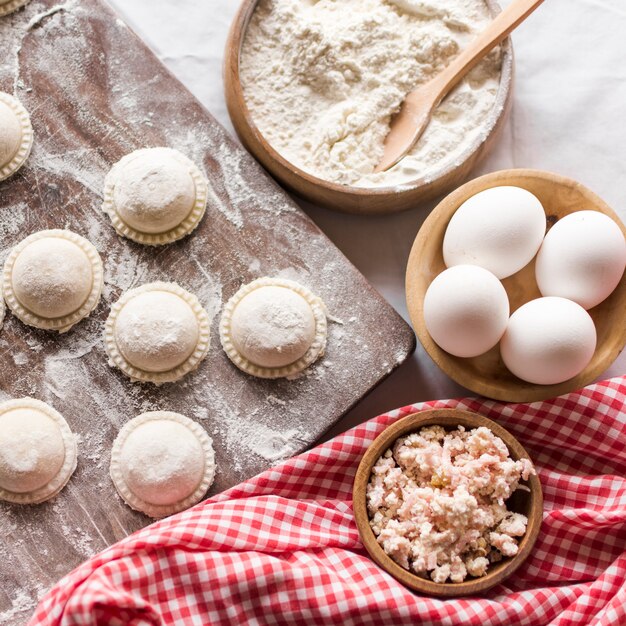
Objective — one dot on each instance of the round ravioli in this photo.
(37, 451)
(273, 328)
(16, 134)
(162, 463)
(53, 279)
(157, 333)
(155, 196)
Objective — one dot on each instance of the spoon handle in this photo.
(495, 33)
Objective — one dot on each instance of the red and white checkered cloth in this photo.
(282, 548)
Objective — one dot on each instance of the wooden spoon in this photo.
(417, 109)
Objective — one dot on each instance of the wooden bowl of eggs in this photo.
(290, 89)
(385, 459)
(516, 316)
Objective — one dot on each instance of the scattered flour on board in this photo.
(11, 228)
(272, 399)
(20, 358)
(272, 445)
(21, 604)
(63, 367)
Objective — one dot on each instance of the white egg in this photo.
(548, 341)
(499, 229)
(582, 258)
(466, 310)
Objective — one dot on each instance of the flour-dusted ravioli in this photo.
(162, 463)
(2, 310)
(16, 133)
(155, 196)
(8, 6)
(53, 279)
(157, 333)
(273, 328)
(37, 451)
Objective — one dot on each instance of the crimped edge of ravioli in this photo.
(156, 510)
(27, 138)
(3, 308)
(186, 227)
(53, 487)
(117, 359)
(60, 324)
(12, 5)
(315, 351)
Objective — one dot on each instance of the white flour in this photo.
(322, 79)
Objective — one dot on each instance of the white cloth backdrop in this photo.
(569, 116)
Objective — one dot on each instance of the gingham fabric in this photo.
(282, 548)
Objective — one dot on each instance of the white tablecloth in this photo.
(569, 116)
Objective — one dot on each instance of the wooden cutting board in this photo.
(95, 92)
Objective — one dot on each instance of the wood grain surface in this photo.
(486, 374)
(95, 92)
(529, 503)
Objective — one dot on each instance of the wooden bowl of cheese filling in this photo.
(447, 152)
(526, 500)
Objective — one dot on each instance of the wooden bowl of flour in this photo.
(352, 199)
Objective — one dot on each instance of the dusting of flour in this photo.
(322, 79)
(83, 127)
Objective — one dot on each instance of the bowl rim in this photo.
(522, 391)
(446, 418)
(232, 81)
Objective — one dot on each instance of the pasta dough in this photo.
(155, 196)
(273, 328)
(157, 333)
(53, 279)
(16, 133)
(8, 6)
(162, 463)
(37, 451)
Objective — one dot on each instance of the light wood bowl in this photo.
(487, 374)
(342, 197)
(527, 503)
